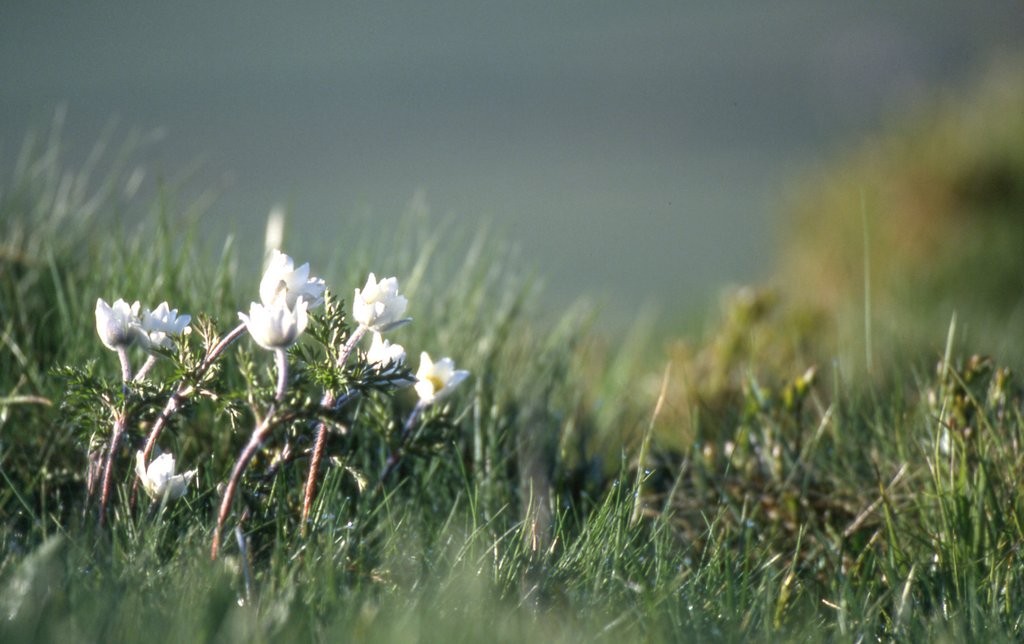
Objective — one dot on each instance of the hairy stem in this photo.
(281, 358)
(126, 368)
(183, 390)
(259, 434)
(108, 467)
(353, 340)
(328, 403)
(329, 400)
(314, 471)
(144, 369)
(115, 434)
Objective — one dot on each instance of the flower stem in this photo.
(126, 368)
(281, 358)
(314, 471)
(182, 392)
(353, 340)
(259, 434)
(328, 401)
(309, 493)
(116, 433)
(108, 467)
(144, 369)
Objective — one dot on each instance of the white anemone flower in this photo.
(276, 326)
(159, 478)
(158, 326)
(383, 353)
(378, 305)
(118, 325)
(282, 281)
(435, 380)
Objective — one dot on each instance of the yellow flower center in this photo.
(435, 382)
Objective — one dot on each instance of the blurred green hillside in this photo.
(879, 250)
(928, 216)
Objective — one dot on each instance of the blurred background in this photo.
(635, 153)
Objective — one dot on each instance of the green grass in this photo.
(775, 503)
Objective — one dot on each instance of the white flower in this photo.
(276, 326)
(383, 353)
(158, 326)
(378, 305)
(435, 380)
(159, 478)
(117, 325)
(282, 280)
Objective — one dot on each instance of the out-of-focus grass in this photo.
(787, 493)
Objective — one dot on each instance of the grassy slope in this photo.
(771, 504)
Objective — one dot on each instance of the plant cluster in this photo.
(333, 371)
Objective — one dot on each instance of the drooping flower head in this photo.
(283, 282)
(159, 478)
(378, 306)
(276, 326)
(118, 326)
(435, 380)
(160, 325)
(383, 353)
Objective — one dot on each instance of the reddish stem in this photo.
(328, 401)
(108, 467)
(181, 393)
(314, 469)
(258, 436)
